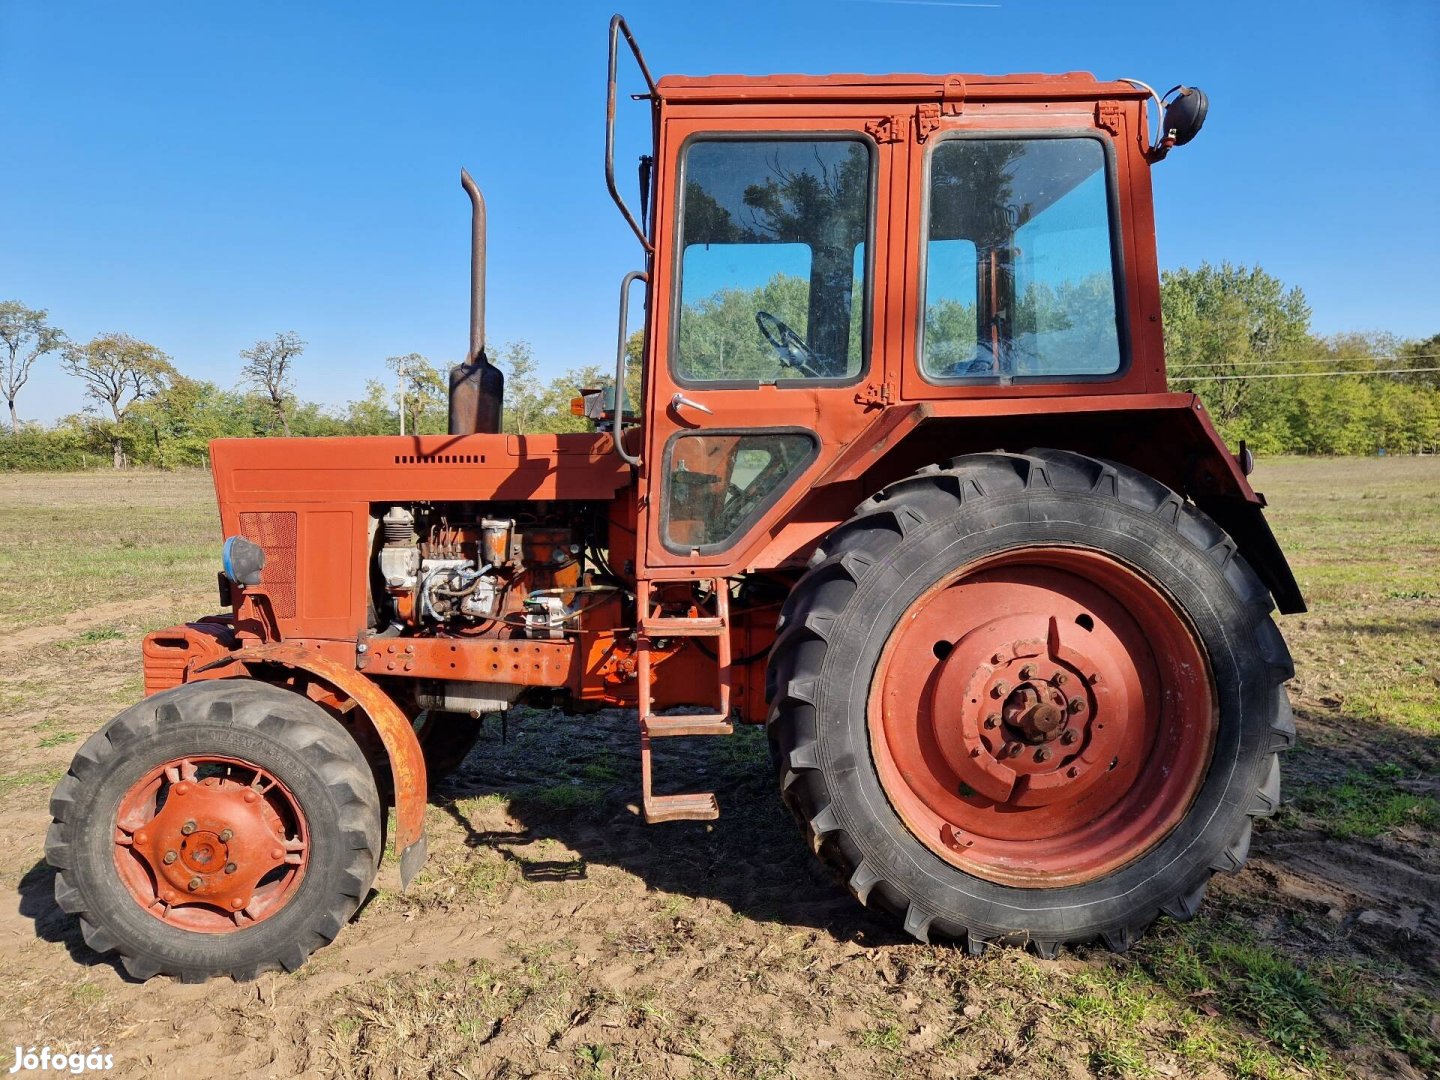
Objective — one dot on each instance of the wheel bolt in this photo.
(182, 788)
(194, 884)
(187, 828)
(251, 795)
(1069, 736)
(1043, 754)
(225, 835)
(1000, 689)
(1075, 705)
(237, 903)
(1061, 678)
(230, 868)
(998, 658)
(1028, 671)
(142, 837)
(993, 720)
(170, 857)
(277, 853)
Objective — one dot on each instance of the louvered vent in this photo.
(275, 532)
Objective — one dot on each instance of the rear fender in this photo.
(1167, 436)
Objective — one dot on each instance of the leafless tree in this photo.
(26, 335)
(268, 368)
(118, 370)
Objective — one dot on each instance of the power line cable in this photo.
(1302, 374)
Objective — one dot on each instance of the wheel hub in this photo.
(232, 842)
(1043, 719)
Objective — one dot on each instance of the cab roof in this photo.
(1073, 85)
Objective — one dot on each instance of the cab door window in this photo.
(773, 256)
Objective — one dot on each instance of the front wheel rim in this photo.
(1042, 718)
(210, 844)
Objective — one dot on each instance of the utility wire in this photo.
(1302, 374)
(1319, 360)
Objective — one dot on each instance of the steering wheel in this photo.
(790, 345)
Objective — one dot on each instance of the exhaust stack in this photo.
(477, 387)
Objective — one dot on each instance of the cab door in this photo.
(765, 325)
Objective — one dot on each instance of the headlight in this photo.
(243, 560)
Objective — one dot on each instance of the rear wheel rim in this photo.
(210, 844)
(1042, 718)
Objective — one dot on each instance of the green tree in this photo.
(25, 335)
(423, 394)
(118, 371)
(1226, 323)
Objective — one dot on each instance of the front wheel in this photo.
(225, 827)
(1031, 698)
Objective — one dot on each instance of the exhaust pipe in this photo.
(477, 387)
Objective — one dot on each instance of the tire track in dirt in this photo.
(88, 618)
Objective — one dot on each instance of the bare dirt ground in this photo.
(554, 934)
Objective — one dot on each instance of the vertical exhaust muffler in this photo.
(477, 387)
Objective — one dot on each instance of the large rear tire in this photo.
(1029, 698)
(226, 827)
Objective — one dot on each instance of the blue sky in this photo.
(205, 174)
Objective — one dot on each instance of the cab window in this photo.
(773, 257)
(1020, 269)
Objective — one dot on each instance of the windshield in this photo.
(772, 260)
(1020, 277)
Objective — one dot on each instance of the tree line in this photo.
(1235, 335)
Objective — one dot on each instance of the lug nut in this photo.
(993, 720)
(975, 751)
(1069, 736)
(1043, 754)
(141, 837)
(1000, 689)
(1075, 705)
(187, 828)
(1072, 772)
(237, 903)
(170, 857)
(230, 867)
(998, 658)
(194, 884)
(251, 795)
(1028, 671)
(225, 835)
(1061, 678)
(277, 853)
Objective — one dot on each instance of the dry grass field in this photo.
(554, 934)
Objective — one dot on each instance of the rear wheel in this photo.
(225, 827)
(1029, 697)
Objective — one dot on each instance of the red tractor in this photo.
(904, 483)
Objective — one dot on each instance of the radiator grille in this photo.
(275, 532)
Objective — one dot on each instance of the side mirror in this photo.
(1184, 115)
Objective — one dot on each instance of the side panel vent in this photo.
(275, 532)
(439, 459)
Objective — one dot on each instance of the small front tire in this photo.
(225, 827)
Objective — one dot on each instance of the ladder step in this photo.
(702, 806)
(700, 724)
(702, 627)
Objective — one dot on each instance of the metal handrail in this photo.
(630, 279)
(618, 27)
